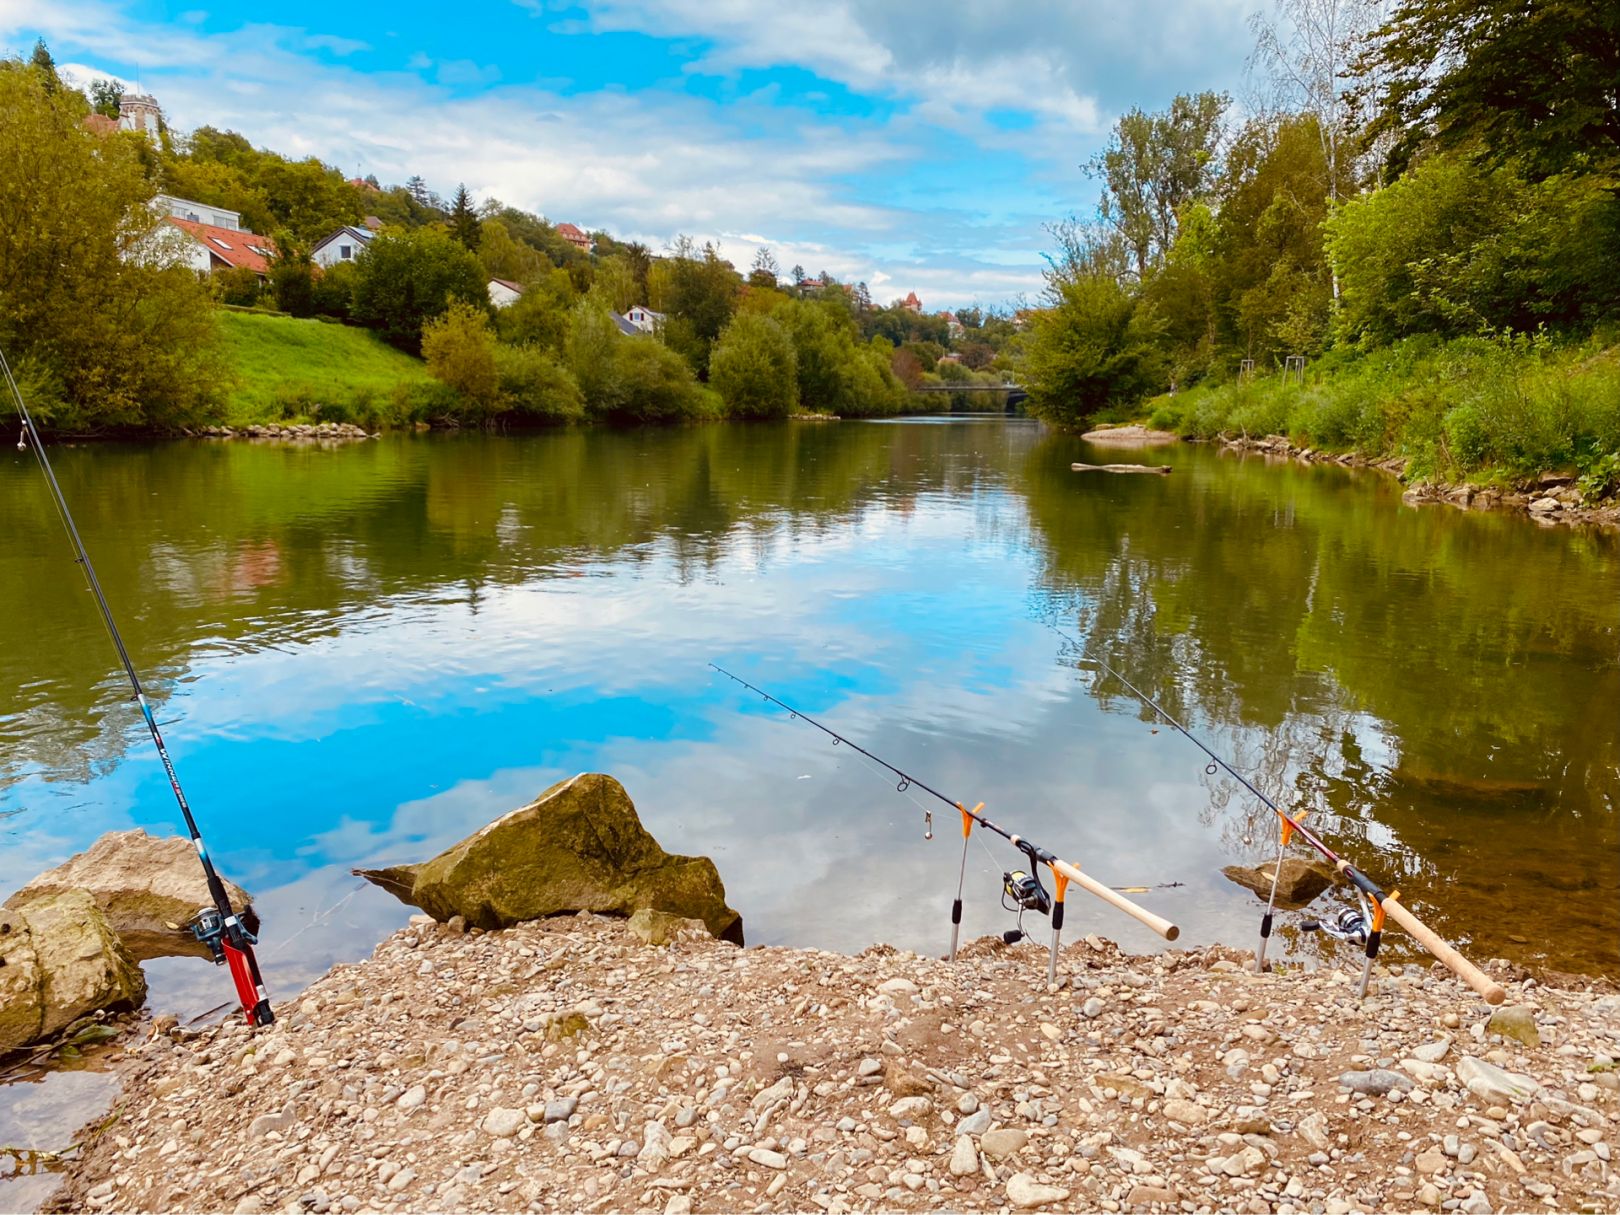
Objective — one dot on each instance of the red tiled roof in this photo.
(230, 246)
(911, 300)
(569, 231)
(100, 124)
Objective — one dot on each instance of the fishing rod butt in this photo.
(1491, 991)
(1142, 915)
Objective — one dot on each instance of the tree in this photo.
(1505, 80)
(1154, 165)
(753, 368)
(627, 379)
(1096, 343)
(46, 66)
(701, 299)
(103, 328)
(292, 276)
(503, 257)
(105, 96)
(798, 275)
(417, 189)
(464, 219)
(460, 353)
(406, 278)
(765, 272)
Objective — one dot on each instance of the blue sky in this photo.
(915, 144)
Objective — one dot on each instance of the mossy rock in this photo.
(59, 960)
(579, 846)
(1299, 882)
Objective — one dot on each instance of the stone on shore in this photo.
(1130, 436)
(1025, 1192)
(142, 885)
(1515, 1021)
(1299, 882)
(1491, 1083)
(579, 846)
(60, 960)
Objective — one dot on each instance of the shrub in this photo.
(460, 352)
(536, 387)
(754, 369)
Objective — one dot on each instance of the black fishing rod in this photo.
(1024, 889)
(230, 937)
(1382, 904)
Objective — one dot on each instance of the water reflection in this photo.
(367, 653)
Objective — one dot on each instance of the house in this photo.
(344, 245)
(575, 237)
(210, 247)
(645, 319)
(911, 303)
(953, 327)
(198, 213)
(503, 293)
(624, 326)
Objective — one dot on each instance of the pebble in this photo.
(767, 1158)
(964, 1157)
(503, 1123)
(1490, 1083)
(976, 1123)
(1001, 1143)
(1091, 1009)
(412, 1097)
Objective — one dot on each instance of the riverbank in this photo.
(565, 1065)
(1553, 498)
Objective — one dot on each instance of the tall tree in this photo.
(1527, 80)
(765, 271)
(1154, 165)
(1306, 50)
(45, 66)
(417, 188)
(464, 219)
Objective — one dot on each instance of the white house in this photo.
(198, 213)
(645, 319)
(344, 245)
(503, 293)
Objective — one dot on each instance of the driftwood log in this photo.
(1121, 468)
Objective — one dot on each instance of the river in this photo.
(360, 655)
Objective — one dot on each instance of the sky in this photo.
(916, 145)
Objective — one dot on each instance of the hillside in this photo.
(283, 367)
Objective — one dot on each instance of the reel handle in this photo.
(1158, 923)
(1492, 991)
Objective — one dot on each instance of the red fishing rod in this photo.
(1382, 904)
(230, 937)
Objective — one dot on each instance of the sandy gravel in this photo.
(565, 1065)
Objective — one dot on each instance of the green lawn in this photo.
(282, 367)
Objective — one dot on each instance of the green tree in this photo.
(460, 350)
(105, 96)
(104, 328)
(540, 316)
(1154, 165)
(765, 271)
(292, 276)
(754, 368)
(464, 219)
(624, 378)
(237, 286)
(535, 387)
(42, 63)
(406, 278)
(1096, 345)
(702, 297)
(503, 257)
(1504, 80)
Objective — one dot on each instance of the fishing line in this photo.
(229, 937)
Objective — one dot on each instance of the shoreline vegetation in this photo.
(573, 1063)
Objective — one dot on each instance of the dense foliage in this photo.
(1386, 205)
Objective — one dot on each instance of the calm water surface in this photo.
(361, 655)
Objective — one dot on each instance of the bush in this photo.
(535, 387)
(460, 352)
(404, 279)
(754, 369)
(334, 290)
(238, 286)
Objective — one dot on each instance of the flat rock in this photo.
(1376, 1082)
(1515, 1021)
(1188, 1113)
(1003, 1142)
(652, 927)
(1492, 1084)
(1024, 1192)
(1298, 882)
(503, 1123)
(1151, 1195)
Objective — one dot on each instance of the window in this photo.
(345, 252)
(219, 242)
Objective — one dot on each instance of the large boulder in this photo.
(142, 885)
(59, 960)
(579, 846)
(1299, 882)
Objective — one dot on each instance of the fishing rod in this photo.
(230, 937)
(1023, 889)
(1370, 932)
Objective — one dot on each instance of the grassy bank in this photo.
(1479, 410)
(283, 368)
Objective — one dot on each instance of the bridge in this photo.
(1016, 393)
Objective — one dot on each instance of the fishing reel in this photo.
(1349, 925)
(208, 927)
(1023, 892)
